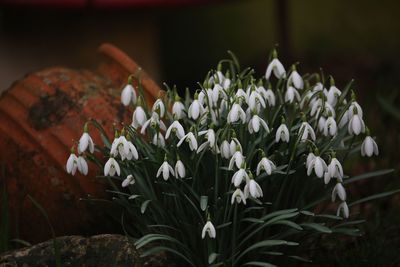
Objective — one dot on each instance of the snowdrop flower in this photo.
(295, 79)
(119, 146)
(154, 121)
(237, 159)
(330, 127)
(85, 142)
(129, 180)
(355, 108)
(177, 128)
(139, 117)
(217, 92)
(254, 124)
(309, 159)
(159, 108)
(306, 131)
(292, 95)
(282, 134)
(210, 136)
(225, 150)
(72, 164)
(206, 97)
(180, 171)
(226, 83)
(253, 189)
(369, 147)
(128, 95)
(209, 229)
(132, 151)
(241, 95)
(327, 177)
(321, 123)
(335, 169)
(195, 109)
(339, 191)
(270, 97)
(158, 140)
(165, 169)
(111, 168)
(333, 95)
(235, 146)
(265, 164)
(238, 196)
(236, 113)
(255, 101)
(318, 165)
(191, 139)
(344, 209)
(178, 110)
(356, 125)
(239, 176)
(276, 67)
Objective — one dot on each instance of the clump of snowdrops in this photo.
(239, 173)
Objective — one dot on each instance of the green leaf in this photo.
(318, 227)
(300, 258)
(290, 224)
(144, 205)
(203, 202)
(253, 220)
(223, 225)
(368, 175)
(259, 263)
(261, 244)
(376, 196)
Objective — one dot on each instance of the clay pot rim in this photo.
(130, 66)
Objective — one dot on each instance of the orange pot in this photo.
(40, 118)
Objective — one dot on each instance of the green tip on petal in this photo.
(332, 81)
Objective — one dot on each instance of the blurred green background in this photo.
(178, 44)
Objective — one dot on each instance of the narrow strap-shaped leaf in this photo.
(373, 197)
(259, 263)
(319, 227)
(368, 175)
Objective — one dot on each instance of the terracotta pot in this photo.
(40, 118)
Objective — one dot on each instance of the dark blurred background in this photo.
(179, 41)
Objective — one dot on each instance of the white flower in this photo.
(129, 180)
(355, 108)
(254, 124)
(339, 191)
(159, 108)
(226, 83)
(318, 165)
(132, 151)
(158, 140)
(321, 123)
(225, 150)
(176, 128)
(178, 110)
(255, 101)
(265, 164)
(217, 92)
(72, 164)
(239, 176)
(296, 80)
(253, 189)
(307, 131)
(277, 68)
(292, 95)
(333, 95)
(330, 127)
(209, 229)
(241, 96)
(335, 169)
(310, 159)
(128, 95)
(120, 146)
(85, 142)
(237, 159)
(111, 167)
(236, 113)
(238, 196)
(235, 146)
(344, 209)
(180, 171)
(195, 110)
(82, 165)
(191, 139)
(139, 117)
(327, 178)
(282, 134)
(270, 97)
(153, 122)
(369, 147)
(202, 97)
(356, 125)
(165, 169)
(210, 136)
